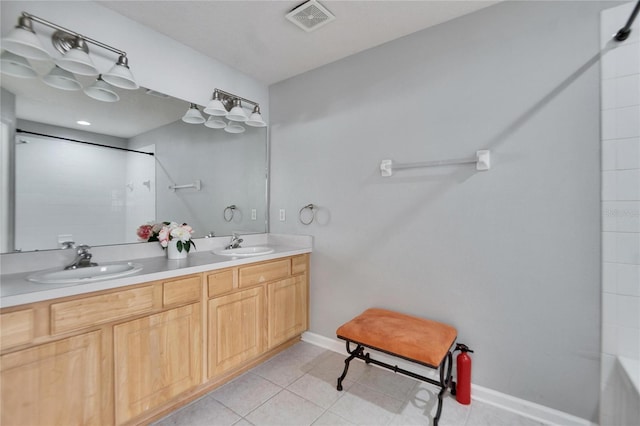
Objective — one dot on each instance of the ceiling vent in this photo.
(310, 15)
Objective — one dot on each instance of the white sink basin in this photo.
(83, 275)
(244, 251)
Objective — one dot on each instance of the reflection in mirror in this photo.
(69, 191)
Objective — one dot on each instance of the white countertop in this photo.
(16, 290)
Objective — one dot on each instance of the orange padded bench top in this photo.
(406, 336)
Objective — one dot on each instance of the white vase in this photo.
(173, 253)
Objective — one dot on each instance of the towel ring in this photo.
(310, 207)
(231, 209)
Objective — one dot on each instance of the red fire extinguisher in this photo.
(462, 389)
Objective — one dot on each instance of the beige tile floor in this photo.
(298, 387)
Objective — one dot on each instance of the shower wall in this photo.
(620, 220)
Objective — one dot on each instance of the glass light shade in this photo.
(234, 127)
(237, 113)
(24, 42)
(193, 115)
(214, 122)
(255, 119)
(101, 91)
(120, 75)
(61, 79)
(216, 107)
(78, 62)
(16, 66)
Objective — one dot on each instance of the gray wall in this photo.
(231, 168)
(511, 257)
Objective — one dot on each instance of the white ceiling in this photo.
(255, 37)
(251, 36)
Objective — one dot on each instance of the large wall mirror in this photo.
(136, 162)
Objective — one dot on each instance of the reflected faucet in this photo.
(68, 245)
(83, 258)
(235, 241)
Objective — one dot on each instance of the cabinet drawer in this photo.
(256, 274)
(221, 282)
(299, 264)
(16, 328)
(94, 310)
(183, 290)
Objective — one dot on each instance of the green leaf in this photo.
(179, 245)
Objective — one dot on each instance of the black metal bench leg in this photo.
(358, 350)
(445, 382)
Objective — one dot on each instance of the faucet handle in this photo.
(83, 249)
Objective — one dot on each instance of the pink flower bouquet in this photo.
(163, 232)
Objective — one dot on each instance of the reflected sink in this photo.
(244, 251)
(84, 275)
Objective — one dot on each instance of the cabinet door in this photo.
(236, 324)
(57, 383)
(287, 309)
(156, 358)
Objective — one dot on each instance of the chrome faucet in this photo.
(235, 241)
(83, 258)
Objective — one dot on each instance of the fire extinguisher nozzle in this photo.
(462, 347)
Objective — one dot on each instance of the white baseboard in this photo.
(507, 402)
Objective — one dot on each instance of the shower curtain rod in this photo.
(85, 142)
(624, 32)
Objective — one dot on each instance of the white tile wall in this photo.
(620, 127)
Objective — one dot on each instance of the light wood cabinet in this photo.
(264, 272)
(16, 328)
(58, 383)
(93, 310)
(156, 358)
(235, 329)
(287, 309)
(127, 355)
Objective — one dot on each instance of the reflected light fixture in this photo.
(101, 91)
(214, 122)
(61, 79)
(16, 66)
(23, 41)
(193, 115)
(225, 104)
(234, 127)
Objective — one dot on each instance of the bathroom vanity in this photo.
(132, 353)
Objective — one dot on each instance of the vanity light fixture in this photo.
(255, 119)
(76, 59)
(237, 113)
(193, 115)
(215, 107)
(16, 66)
(23, 41)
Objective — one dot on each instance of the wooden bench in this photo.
(414, 339)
